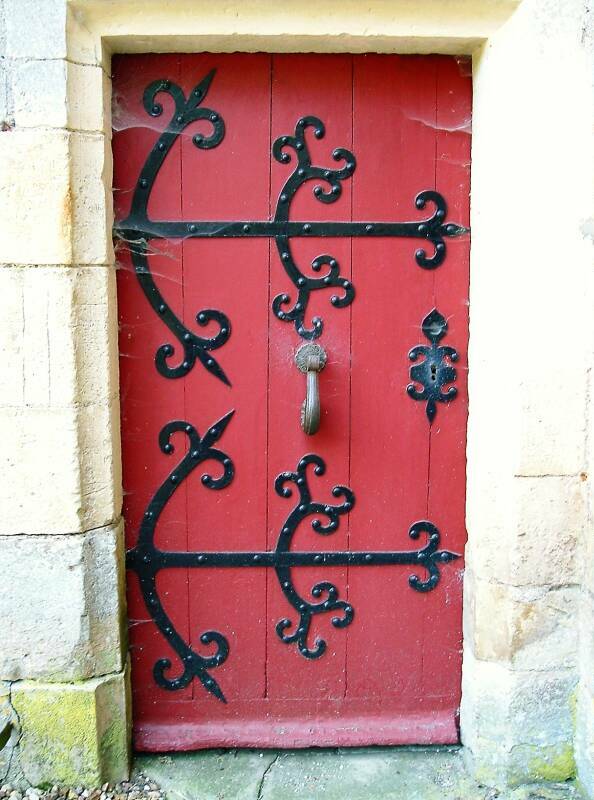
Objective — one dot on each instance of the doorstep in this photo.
(364, 773)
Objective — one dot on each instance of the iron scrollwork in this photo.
(147, 560)
(137, 230)
(434, 372)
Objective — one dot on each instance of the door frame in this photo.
(502, 481)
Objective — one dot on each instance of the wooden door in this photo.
(287, 588)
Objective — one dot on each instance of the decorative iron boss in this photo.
(137, 230)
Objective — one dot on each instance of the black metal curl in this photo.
(327, 591)
(434, 372)
(429, 556)
(304, 171)
(146, 559)
(187, 110)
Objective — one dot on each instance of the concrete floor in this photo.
(413, 773)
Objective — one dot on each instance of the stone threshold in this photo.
(368, 773)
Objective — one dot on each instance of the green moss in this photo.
(553, 763)
(73, 734)
(59, 739)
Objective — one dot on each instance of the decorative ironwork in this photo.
(138, 230)
(434, 372)
(147, 560)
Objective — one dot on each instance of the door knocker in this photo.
(311, 359)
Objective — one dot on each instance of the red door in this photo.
(291, 588)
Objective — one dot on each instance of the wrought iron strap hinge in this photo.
(137, 229)
(146, 559)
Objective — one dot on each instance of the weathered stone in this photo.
(35, 197)
(74, 733)
(61, 602)
(92, 211)
(529, 627)
(86, 85)
(517, 724)
(534, 532)
(39, 93)
(35, 28)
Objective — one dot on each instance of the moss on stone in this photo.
(75, 733)
(553, 763)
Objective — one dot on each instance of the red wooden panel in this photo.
(393, 675)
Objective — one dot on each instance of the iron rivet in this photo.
(167, 449)
(286, 584)
(298, 307)
(318, 191)
(195, 453)
(256, 558)
(369, 228)
(307, 227)
(317, 559)
(209, 362)
(327, 173)
(299, 146)
(186, 364)
(146, 559)
(327, 280)
(368, 557)
(283, 198)
(161, 145)
(301, 172)
(334, 299)
(205, 479)
(188, 429)
(214, 117)
(162, 308)
(192, 229)
(187, 337)
(179, 118)
(144, 183)
(246, 228)
(173, 479)
(336, 190)
(202, 317)
(301, 281)
(333, 262)
(155, 109)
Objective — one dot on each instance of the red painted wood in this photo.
(392, 676)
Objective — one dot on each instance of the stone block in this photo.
(39, 93)
(88, 98)
(92, 210)
(62, 605)
(35, 28)
(517, 726)
(60, 335)
(74, 733)
(529, 628)
(35, 196)
(532, 535)
(61, 468)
